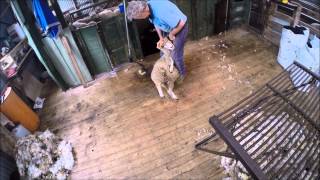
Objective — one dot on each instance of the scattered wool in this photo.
(43, 155)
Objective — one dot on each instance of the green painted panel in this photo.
(58, 53)
(80, 61)
(115, 39)
(97, 58)
(201, 18)
(239, 12)
(186, 8)
(52, 53)
(135, 41)
(203, 13)
(210, 16)
(64, 68)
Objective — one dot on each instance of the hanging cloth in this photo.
(49, 24)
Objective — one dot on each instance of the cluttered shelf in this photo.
(23, 60)
(13, 60)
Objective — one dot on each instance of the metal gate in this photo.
(275, 132)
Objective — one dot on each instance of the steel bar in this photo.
(307, 70)
(310, 104)
(315, 173)
(265, 142)
(276, 145)
(301, 156)
(261, 123)
(275, 163)
(265, 126)
(308, 160)
(253, 120)
(243, 156)
(293, 156)
(212, 138)
(295, 107)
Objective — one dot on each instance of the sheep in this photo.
(165, 73)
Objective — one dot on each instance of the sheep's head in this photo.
(166, 47)
(168, 44)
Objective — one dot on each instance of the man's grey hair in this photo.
(134, 8)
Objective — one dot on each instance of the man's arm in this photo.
(160, 42)
(159, 32)
(176, 30)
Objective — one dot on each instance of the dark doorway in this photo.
(220, 17)
(148, 37)
(257, 15)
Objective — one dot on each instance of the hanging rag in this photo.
(49, 24)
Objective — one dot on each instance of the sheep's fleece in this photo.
(43, 155)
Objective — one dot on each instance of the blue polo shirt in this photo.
(165, 15)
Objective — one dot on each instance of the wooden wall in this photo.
(280, 15)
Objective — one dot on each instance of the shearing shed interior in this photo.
(160, 89)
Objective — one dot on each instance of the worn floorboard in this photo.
(120, 128)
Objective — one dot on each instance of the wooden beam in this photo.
(297, 15)
(74, 62)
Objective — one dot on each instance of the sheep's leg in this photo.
(171, 65)
(159, 88)
(170, 91)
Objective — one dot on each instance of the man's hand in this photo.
(160, 43)
(176, 30)
(172, 37)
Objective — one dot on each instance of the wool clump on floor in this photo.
(44, 155)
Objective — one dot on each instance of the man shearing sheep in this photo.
(168, 20)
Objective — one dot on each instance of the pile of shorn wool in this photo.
(43, 155)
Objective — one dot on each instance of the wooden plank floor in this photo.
(120, 128)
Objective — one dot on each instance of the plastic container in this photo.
(20, 131)
(121, 8)
(17, 111)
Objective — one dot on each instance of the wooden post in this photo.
(297, 15)
(74, 62)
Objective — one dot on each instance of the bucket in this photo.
(17, 111)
